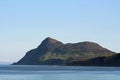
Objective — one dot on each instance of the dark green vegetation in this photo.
(53, 52)
(113, 60)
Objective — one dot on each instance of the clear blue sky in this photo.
(25, 23)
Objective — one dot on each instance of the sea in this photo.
(46, 72)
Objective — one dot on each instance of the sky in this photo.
(25, 23)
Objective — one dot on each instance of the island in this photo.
(54, 52)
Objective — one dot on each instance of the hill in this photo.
(54, 52)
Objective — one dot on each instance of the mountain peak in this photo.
(49, 44)
(49, 39)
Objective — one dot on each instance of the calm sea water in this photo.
(12, 72)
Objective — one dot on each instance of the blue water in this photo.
(10, 72)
